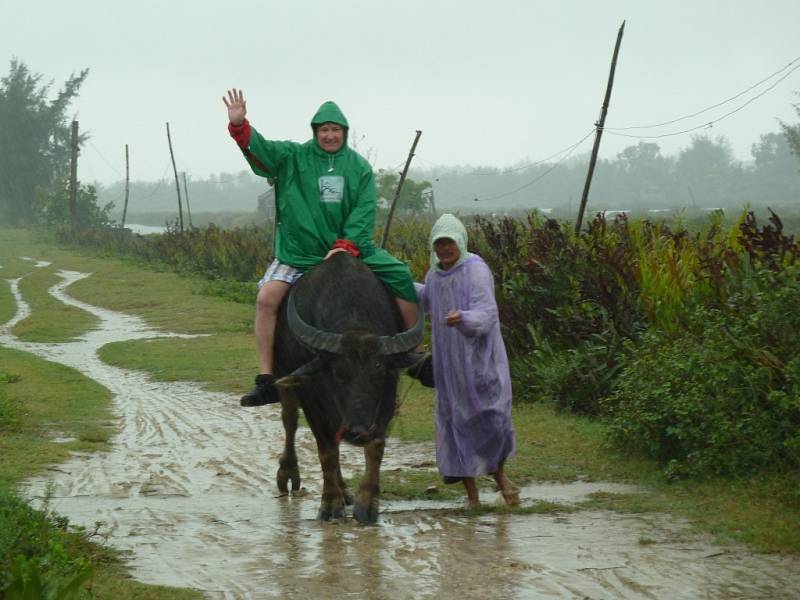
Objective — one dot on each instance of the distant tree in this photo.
(34, 137)
(792, 133)
(415, 197)
(645, 173)
(52, 208)
(774, 175)
(707, 171)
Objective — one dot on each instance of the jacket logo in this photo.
(331, 188)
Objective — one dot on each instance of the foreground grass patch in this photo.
(50, 321)
(42, 401)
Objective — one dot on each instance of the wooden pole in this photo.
(177, 185)
(186, 194)
(127, 186)
(73, 176)
(599, 131)
(397, 190)
(433, 203)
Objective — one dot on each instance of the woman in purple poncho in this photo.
(474, 434)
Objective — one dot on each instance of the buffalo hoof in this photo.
(286, 475)
(365, 514)
(328, 514)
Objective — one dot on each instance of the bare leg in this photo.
(409, 311)
(472, 492)
(507, 489)
(269, 299)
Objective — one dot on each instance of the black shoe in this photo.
(423, 370)
(265, 392)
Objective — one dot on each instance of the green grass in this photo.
(50, 321)
(46, 400)
(40, 401)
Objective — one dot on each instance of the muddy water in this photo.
(188, 488)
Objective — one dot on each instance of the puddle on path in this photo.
(188, 488)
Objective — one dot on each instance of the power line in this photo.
(718, 104)
(547, 172)
(158, 185)
(105, 160)
(708, 124)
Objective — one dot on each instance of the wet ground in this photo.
(188, 488)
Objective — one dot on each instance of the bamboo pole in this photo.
(599, 131)
(73, 176)
(397, 190)
(186, 194)
(127, 186)
(177, 185)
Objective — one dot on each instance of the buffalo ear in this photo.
(302, 374)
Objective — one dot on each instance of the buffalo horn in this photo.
(311, 336)
(326, 341)
(404, 341)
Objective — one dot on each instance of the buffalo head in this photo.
(356, 369)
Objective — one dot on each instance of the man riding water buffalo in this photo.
(344, 333)
(325, 202)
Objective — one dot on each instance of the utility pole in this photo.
(127, 187)
(73, 176)
(599, 131)
(177, 185)
(397, 190)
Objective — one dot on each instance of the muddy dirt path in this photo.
(188, 488)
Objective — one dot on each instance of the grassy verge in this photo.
(47, 412)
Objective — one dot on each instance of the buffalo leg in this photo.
(332, 504)
(366, 506)
(348, 497)
(287, 465)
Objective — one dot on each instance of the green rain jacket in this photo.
(321, 198)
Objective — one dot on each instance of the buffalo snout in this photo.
(356, 434)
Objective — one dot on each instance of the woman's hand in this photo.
(453, 318)
(237, 106)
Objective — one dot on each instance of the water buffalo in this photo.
(339, 345)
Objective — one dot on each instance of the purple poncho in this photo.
(474, 433)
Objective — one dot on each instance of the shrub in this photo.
(723, 395)
(34, 559)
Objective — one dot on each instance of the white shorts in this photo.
(280, 272)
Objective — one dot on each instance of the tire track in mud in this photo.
(188, 489)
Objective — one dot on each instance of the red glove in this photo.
(240, 133)
(348, 247)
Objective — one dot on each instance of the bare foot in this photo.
(472, 492)
(507, 489)
(511, 496)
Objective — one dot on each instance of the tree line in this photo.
(35, 135)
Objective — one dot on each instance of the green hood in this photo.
(329, 112)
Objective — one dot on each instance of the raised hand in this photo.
(237, 106)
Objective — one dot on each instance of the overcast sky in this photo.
(488, 83)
